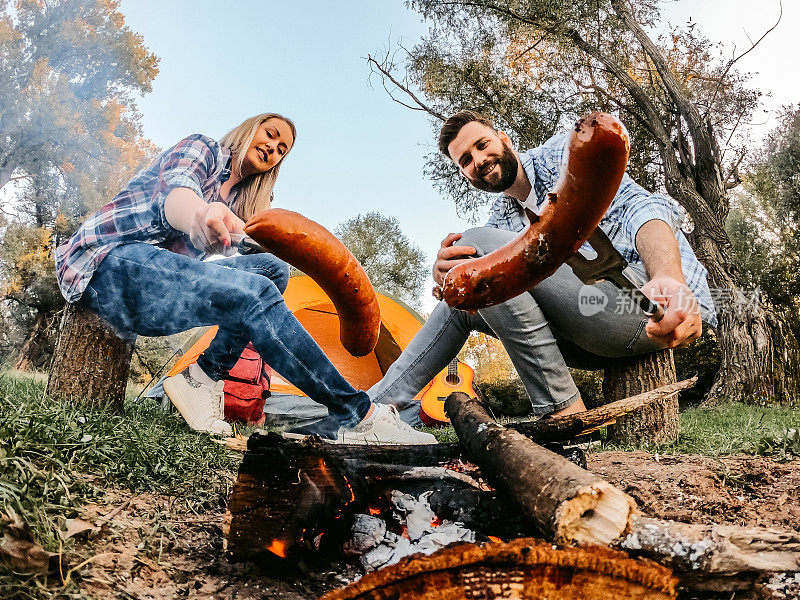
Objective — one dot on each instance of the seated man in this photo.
(547, 329)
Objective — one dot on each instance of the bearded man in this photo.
(547, 329)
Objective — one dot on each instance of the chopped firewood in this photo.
(569, 504)
(563, 428)
(720, 556)
(523, 568)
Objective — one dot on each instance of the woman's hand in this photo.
(212, 226)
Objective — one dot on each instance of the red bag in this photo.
(247, 389)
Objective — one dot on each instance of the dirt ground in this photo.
(146, 551)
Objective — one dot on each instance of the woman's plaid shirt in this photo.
(136, 214)
(632, 207)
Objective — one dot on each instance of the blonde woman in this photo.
(136, 263)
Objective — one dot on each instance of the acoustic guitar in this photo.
(457, 377)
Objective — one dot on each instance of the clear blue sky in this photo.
(356, 150)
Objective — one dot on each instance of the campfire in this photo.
(454, 510)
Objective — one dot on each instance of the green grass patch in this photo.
(730, 428)
(55, 455)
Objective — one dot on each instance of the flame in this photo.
(495, 539)
(278, 548)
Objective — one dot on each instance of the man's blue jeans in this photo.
(142, 289)
(544, 331)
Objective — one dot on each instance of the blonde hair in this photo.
(255, 191)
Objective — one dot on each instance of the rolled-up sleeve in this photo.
(637, 206)
(187, 165)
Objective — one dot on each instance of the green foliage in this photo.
(783, 446)
(729, 428)
(70, 137)
(54, 456)
(534, 66)
(392, 262)
(763, 222)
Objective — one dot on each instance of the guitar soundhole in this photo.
(453, 379)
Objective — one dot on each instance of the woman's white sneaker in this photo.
(384, 427)
(201, 405)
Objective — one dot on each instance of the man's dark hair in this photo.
(454, 124)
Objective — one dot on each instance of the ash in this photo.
(377, 547)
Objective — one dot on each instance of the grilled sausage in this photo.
(598, 155)
(314, 250)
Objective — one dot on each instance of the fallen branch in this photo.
(563, 428)
(569, 504)
(729, 554)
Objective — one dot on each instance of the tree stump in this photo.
(625, 377)
(91, 361)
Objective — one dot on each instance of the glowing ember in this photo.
(374, 511)
(436, 521)
(495, 539)
(278, 548)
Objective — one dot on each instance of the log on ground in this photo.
(567, 503)
(558, 429)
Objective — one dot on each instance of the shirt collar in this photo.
(526, 159)
(226, 161)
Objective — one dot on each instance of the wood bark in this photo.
(658, 421)
(91, 362)
(558, 429)
(36, 352)
(289, 493)
(567, 503)
(759, 353)
(715, 557)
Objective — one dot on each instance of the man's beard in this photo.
(508, 166)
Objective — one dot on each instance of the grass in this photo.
(54, 456)
(730, 428)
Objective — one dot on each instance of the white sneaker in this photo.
(201, 405)
(386, 427)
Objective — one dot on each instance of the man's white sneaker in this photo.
(202, 405)
(385, 427)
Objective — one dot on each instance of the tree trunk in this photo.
(759, 352)
(37, 350)
(625, 377)
(91, 361)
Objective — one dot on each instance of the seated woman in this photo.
(136, 263)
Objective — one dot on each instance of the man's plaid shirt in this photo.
(136, 214)
(632, 207)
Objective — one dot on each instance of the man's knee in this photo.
(485, 239)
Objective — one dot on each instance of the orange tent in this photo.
(315, 311)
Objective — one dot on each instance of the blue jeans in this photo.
(142, 289)
(545, 331)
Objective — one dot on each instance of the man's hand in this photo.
(449, 256)
(212, 226)
(681, 324)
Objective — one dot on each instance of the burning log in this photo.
(568, 503)
(288, 494)
(557, 429)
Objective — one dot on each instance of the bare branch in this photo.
(733, 61)
(385, 72)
